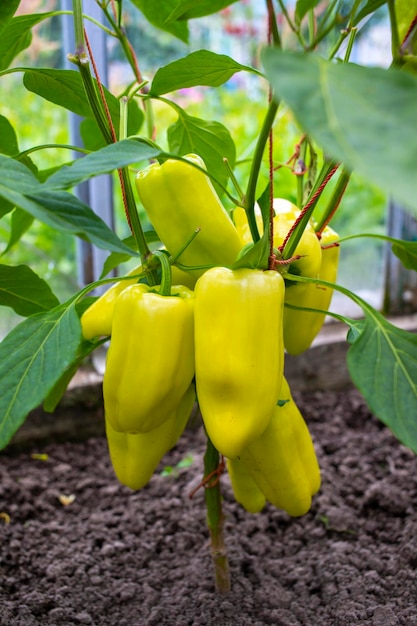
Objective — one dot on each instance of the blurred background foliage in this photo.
(240, 106)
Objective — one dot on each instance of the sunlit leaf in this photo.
(17, 34)
(157, 13)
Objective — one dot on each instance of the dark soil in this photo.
(119, 558)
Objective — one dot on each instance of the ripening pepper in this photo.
(97, 320)
(245, 490)
(179, 199)
(282, 461)
(239, 353)
(136, 456)
(150, 361)
(301, 327)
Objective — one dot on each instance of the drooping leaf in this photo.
(65, 88)
(211, 140)
(157, 13)
(189, 9)
(8, 139)
(406, 251)
(20, 222)
(17, 36)
(56, 208)
(32, 358)
(23, 290)
(354, 113)
(102, 161)
(198, 68)
(382, 362)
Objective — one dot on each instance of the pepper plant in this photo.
(230, 276)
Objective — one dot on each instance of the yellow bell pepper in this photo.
(97, 320)
(282, 461)
(179, 199)
(136, 456)
(239, 353)
(150, 362)
(245, 490)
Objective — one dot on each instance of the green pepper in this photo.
(150, 362)
(301, 327)
(282, 461)
(180, 201)
(136, 456)
(239, 353)
(245, 490)
(97, 320)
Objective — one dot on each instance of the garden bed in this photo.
(79, 548)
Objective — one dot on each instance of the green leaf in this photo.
(32, 358)
(23, 290)
(7, 9)
(211, 140)
(103, 161)
(382, 362)
(8, 139)
(157, 13)
(370, 7)
(188, 9)
(302, 7)
(17, 36)
(20, 222)
(198, 68)
(363, 117)
(65, 88)
(406, 251)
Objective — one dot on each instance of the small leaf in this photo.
(32, 358)
(157, 13)
(198, 68)
(20, 222)
(8, 139)
(189, 9)
(406, 251)
(17, 36)
(370, 7)
(23, 290)
(211, 140)
(382, 363)
(302, 7)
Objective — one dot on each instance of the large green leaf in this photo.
(211, 140)
(7, 9)
(23, 290)
(103, 161)
(17, 36)
(65, 88)
(198, 68)
(363, 117)
(32, 358)
(189, 9)
(382, 362)
(157, 13)
(56, 208)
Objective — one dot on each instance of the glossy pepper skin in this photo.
(245, 490)
(150, 362)
(301, 327)
(282, 461)
(178, 199)
(135, 457)
(97, 320)
(239, 353)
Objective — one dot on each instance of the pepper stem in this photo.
(215, 518)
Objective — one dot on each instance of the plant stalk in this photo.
(215, 518)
